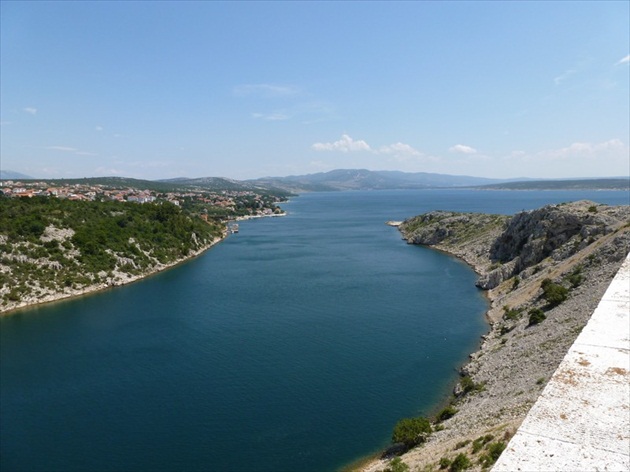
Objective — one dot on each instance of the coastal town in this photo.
(62, 238)
(220, 204)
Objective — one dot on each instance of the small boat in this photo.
(233, 228)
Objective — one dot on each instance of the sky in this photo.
(157, 90)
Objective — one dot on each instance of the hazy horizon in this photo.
(245, 90)
(518, 178)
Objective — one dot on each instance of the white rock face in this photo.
(56, 234)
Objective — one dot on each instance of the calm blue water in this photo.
(293, 345)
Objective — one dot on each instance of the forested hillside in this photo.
(50, 248)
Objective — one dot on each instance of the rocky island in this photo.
(545, 272)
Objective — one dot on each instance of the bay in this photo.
(295, 344)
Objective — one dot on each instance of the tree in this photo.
(411, 431)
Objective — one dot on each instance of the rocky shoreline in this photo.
(122, 278)
(579, 246)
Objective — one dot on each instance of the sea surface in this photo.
(294, 345)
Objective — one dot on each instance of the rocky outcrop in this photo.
(466, 235)
(579, 246)
(556, 231)
(512, 245)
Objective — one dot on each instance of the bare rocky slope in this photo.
(577, 246)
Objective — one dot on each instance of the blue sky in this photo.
(244, 90)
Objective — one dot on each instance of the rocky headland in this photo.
(544, 271)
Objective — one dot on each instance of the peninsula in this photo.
(545, 272)
(68, 239)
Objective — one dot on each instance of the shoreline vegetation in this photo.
(96, 288)
(54, 249)
(101, 287)
(544, 272)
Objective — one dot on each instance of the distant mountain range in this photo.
(361, 179)
(11, 175)
(221, 183)
(345, 179)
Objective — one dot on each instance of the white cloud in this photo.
(345, 144)
(463, 149)
(98, 128)
(397, 152)
(305, 112)
(584, 149)
(75, 151)
(277, 116)
(265, 90)
(30, 110)
(564, 76)
(62, 148)
(578, 159)
(624, 60)
(400, 149)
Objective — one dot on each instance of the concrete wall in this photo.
(581, 422)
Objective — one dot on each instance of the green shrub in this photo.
(576, 277)
(397, 465)
(494, 452)
(13, 296)
(553, 293)
(444, 462)
(446, 413)
(460, 463)
(511, 313)
(516, 282)
(411, 431)
(461, 444)
(480, 442)
(469, 386)
(536, 315)
(575, 280)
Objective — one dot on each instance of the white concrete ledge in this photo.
(581, 422)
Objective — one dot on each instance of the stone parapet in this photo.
(581, 421)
